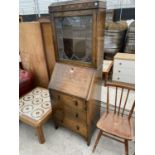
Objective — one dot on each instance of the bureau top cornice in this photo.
(77, 5)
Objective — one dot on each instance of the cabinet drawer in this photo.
(124, 64)
(124, 78)
(75, 126)
(74, 114)
(124, 72)
(70, 101)
(74, 102)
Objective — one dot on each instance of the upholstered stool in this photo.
(35, 109)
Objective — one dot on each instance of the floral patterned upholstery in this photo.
(35, 104)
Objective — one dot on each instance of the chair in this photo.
(117, 125)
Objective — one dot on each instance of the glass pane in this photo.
(74, 38)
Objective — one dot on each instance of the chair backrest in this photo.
(117, 109)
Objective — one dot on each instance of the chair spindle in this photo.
(107, 98)
(131, 111)
(120, 101)
(125, 102)
(115, 100)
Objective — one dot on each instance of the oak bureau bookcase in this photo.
(78, 32)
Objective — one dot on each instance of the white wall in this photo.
(28, 6)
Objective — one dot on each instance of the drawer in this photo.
(124, 64)
(124, 71)
(124, 78)
(74, 102)
(75, 126)
(74, 114)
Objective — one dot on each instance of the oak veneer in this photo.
(78, 38)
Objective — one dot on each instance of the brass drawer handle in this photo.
(58, 97)
(76, 103)
(77, 127)
(77, 115)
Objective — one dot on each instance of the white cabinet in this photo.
(124, 68)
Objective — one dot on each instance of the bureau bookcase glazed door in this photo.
(74, 34)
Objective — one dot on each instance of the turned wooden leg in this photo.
(40, 134)
(97, 140)
(126, 147)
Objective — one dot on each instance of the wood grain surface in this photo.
(71, 79)
(32, 52)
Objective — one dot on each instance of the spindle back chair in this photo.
(117, 124)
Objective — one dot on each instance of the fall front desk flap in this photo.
(72, 80)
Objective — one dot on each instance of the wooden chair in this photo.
(116, 124)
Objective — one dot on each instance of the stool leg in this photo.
(40, 134)
(126, 147)
(97, 140)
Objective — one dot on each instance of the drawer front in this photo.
(75, 114)
(124, 64)
(124, 72)
(75, 126)
(70, 101)
(124, 78)
(74, 102)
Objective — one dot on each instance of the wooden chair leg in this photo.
(40, 134)
(97, 140)
(126, 147)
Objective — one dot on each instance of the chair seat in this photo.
(116, 125)
(35, 106)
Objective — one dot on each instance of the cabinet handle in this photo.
(77, 127)
(118, 78)
(120, 63)
(76, 115)
(58, 97)
(119, 71)
(76, 103)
